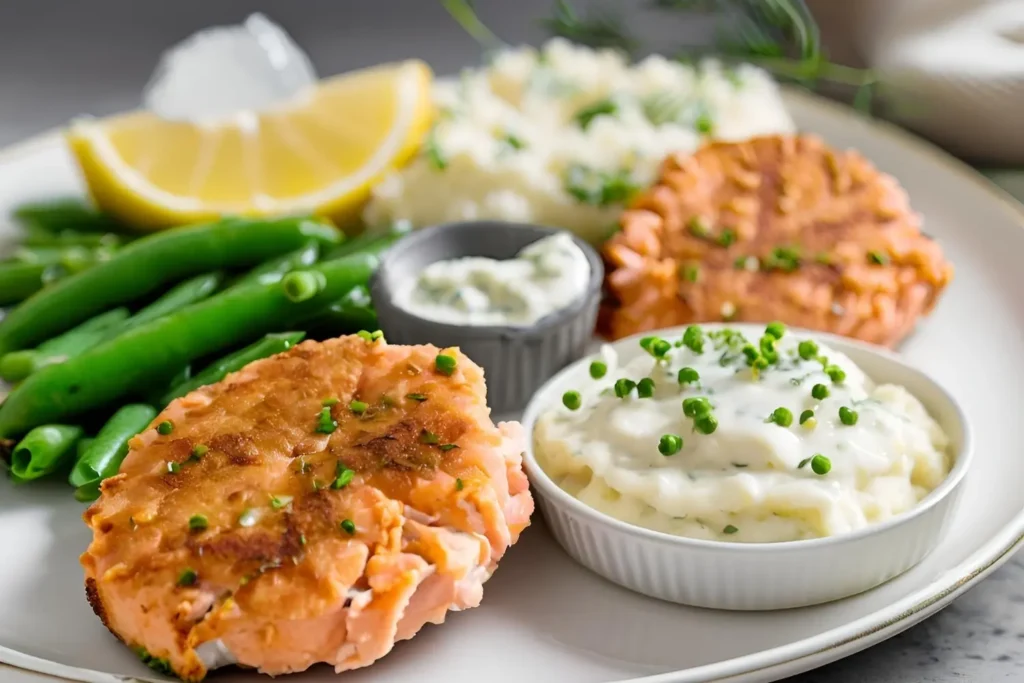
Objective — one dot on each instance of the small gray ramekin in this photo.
(516, 360)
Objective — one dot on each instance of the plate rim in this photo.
(784, 660)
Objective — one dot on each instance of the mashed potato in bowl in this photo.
(563, 136)
(691, 440)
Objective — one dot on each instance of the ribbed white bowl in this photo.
(746, 576)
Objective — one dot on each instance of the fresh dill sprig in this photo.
(780, 36)
(600, 29)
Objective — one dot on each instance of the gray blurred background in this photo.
(62, 58)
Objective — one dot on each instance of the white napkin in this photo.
(953, 69)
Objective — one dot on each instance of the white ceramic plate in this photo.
(544, 618)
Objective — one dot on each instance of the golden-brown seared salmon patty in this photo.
(317, 506)
(773, 228)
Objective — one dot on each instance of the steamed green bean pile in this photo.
(105, 327)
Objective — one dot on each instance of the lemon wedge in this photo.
(319, 152)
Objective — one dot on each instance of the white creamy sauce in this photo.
(750, 480)
(544, 277)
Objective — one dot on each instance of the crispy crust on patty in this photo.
(773, 228)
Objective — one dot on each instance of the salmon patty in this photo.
(773, 228)
(317, 506)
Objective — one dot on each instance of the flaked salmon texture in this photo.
(283, 536)
(774, 228)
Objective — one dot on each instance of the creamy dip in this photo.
(805, 447)
(544, 277)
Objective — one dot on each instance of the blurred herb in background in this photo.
(780, 36)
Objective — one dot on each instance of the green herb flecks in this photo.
(325, 423)
(821, 465)
(585, 116)
(599, 188)
(670, 444)
(572, 400)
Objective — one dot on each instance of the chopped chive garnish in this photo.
(751, 353)
(173, 467)
(165, 428)
(695, 406)
(727, 238)
(807, 349)
(419, 398)
(358, 407)
(691, 273)
(302, 539)
(847, 417)
(775, 330)
(459, 485)
(645, 388)
(835, 373)
(188, 577)
(688, 376)
(693, 339)
(348, 526)
(729, 529)
(706, 424)
(429, 438)
(598, 369)
(445, 364)
(803, 463)
(447, 447)
(806, 415)
(278, 502)
(197, 523)
(781, 416)
(819, 392)
(656, 346)
(878, 258)
(670, 444)
(572, 400)
(820, 464)
(698, 227)
(342, 476)
(624, 387)
(326, 424)
(328, 402)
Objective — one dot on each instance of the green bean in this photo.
(150, 353)
(83, 445)
(46, 255)
(103, 458)
(145, 265)
(268, 346)
(179, 296)
(63, 214)
(351, 313)
(368, 241)
(301, 285)
(36, 236)
(18, 281)
(44, 450)
(274, 269)
(17, 365)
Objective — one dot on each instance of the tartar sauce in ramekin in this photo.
(544, 277)
(721, 437)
